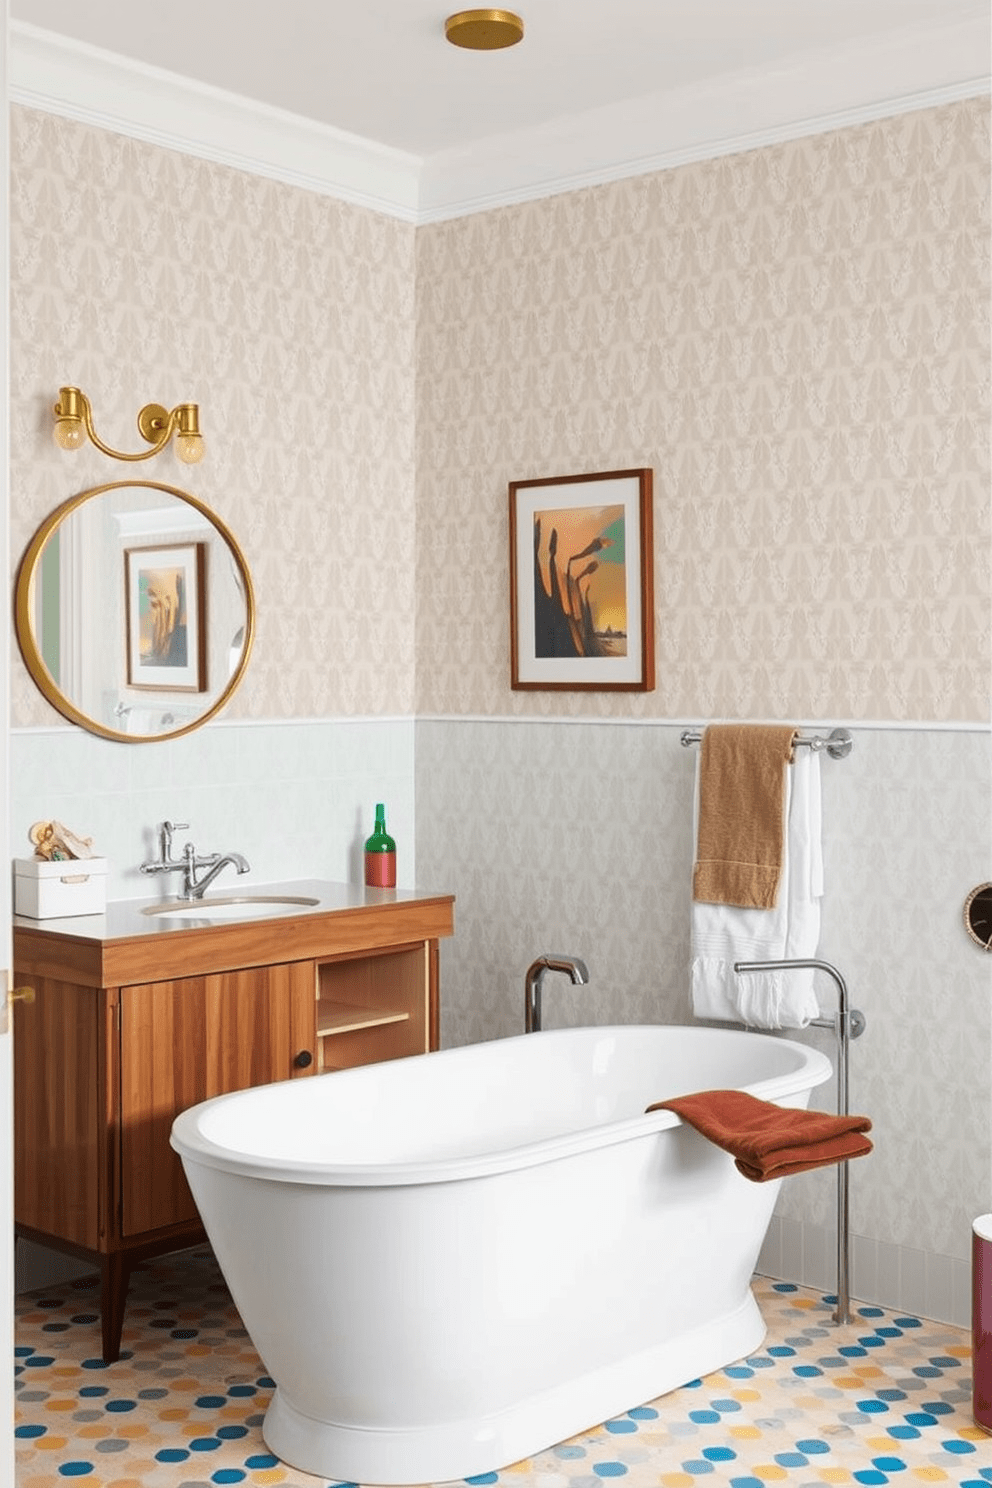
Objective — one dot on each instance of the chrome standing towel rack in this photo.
(838, 743)
(847, 1023)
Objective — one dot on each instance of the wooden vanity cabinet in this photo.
(109, 1053)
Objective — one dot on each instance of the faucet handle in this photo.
(166, 830)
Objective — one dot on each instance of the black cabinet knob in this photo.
(304, 1059)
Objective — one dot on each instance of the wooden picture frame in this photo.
(581, 583)
(165, 617)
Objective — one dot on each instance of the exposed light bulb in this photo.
(190, 448)
(68, 433)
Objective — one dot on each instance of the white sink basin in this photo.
(232, 907)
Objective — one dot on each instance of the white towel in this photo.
(723, 934)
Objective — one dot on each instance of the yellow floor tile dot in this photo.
(973, 1433)
(50, 1443)
(745, 1433)
(745, 1395)
(930, 1475)
(835, 1475)
(676, 1480)
(62, 1405)
(770, 1472)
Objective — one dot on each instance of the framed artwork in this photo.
(581, 585)
(165, 617)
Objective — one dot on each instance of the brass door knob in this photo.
(20, 994)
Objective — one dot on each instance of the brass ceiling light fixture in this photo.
(74, 422)
(484, 30)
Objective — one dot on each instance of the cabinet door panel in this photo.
(60, 1112)
(185, 1041)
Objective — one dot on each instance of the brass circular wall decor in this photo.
(978, 915)
(484, 30)
(134, 611)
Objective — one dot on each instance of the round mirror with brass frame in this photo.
(134, 611)
(978, 915)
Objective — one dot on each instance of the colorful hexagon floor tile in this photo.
(884, 1399)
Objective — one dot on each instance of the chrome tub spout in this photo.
(572, 966)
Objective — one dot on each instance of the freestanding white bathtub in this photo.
(452, 1261)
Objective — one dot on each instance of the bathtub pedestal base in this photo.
(460, 1449)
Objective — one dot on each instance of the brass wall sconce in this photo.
(74, 422)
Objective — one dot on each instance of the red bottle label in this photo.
(380, 870)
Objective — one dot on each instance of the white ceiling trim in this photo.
(740, 112)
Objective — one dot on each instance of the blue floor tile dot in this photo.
(907, 1322)
(619, 1428)
(697, 1468)
(568, 1452)
(937, 1407)
(806, 1371)
(704, 1417)
(870, 1312)
(812, 1446)
(607, 1469)
(75, 1469)
(784, 1286)
(726, 1407)
(643, 1413)
(121, 1406)
(781, 1351)
(27, 1432)
(39, 1361)
(228, 1475)
(791, 1459)
(718, 1454)
(239, 1390)
(927, 1371)
(266, 1382)
(171, 1454)
(870, 1475)
(902, 1433)
(93, 1391)
(210, 1402)
(945, 1362)
(921, 1418)
(480, 1478)
(851, 1351)
(204, 1444)
(746, 1483)
(94, 1364)
(232, 1433)
(889, 1464)
(262, 1459)
(889, 1332)
(739, 1371)
(891, 1394)
(960, 1448)
(872, 1407)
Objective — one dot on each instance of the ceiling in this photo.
(382, 70)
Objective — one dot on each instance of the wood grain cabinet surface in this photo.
(135, 1019)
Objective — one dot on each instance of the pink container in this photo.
(981, 1321)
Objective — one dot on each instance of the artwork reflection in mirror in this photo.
(166, 624)
(130, 596)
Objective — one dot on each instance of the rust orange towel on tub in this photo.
(769, 1141)
(740, 834)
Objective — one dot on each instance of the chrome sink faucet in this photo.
(189, 865)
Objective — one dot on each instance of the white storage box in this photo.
(46, 890)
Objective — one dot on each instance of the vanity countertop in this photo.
(126, 945)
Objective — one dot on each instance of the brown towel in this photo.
(740, 837)
(769, 1141)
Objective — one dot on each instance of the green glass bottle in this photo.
(380, 854)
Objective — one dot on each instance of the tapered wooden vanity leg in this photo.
(114, 1278)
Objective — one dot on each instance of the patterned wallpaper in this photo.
(796, 339)
(143, 275)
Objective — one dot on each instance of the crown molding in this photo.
(811, 94)
(92, 86)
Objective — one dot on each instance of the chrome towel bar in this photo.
(838, 743)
